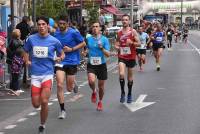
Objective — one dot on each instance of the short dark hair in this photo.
(126, 15)
(25, 19)
(44, 18)
(63, 17)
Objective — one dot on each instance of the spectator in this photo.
(16, 69)
(24, 27)
(14, 44)
(25, 31)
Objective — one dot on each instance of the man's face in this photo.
(125, 21)
(140, 30)
(62, 25)
(96, 28)
(42, 27)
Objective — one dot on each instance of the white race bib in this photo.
(125, 50)
(58, 65)
(95, 60)
(143, 46)
(40, 52)
(159, 39)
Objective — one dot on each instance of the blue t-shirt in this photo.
(94, 52)
(71, 38)
(159, 37)
(41, 53)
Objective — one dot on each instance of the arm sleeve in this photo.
(78, 37)
(27, 45)
(59, 48)
(107, 44)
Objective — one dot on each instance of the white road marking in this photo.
(32, 113)
(2, 133)
(139, 104)
(15, 99)
(67, 93)
(54, 99)
(10, 126)
(22, 119)
(198, 50)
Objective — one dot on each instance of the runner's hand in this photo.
(129, 42)
(67, 49)
(28, 63)
(58, 59)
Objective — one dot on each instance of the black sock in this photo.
(122, 84)
(62, 107)
(130, 85)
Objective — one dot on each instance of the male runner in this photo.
(141, 51)
(40, 49)
(127, 41)
(98, 49)
(72, 42)
(158, 44)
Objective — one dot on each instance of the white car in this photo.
(112, 31)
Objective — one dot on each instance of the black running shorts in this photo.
(99, 70)
(68, 69)
(129, 63)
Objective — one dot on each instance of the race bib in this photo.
(143, 46)
(40, 52)
(58, 65)
(125, 50)
(95, 60)
(159, 39)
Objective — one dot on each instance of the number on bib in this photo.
(40, 52)
(125, 50)
(95, 60)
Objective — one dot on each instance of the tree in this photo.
(50, 8)
(93, 11)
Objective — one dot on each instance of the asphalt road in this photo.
(174, 91)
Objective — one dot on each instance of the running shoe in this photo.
(94, 97)
(99, 106)
(75, 88)
(129, 99)
(122, 99)
(62, 115)
(158, 67)
(41, 130)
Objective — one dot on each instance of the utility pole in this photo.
(131, 13)
(34, 12)
(81, 15)
(181, 14)
(12, 14)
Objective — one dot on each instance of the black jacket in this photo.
(24, 29)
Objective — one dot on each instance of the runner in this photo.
(98, 48)
(72, 42)
(141, 51)
(39, 54)
(127, 41)
(185, 35)
(158, 45)
(169, 34)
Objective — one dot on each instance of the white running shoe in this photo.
(20, 91)
(62, 115)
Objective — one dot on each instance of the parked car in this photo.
(111, 31)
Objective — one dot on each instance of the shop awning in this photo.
(113, 10)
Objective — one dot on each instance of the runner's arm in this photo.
(26, 58)
(136, 42)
